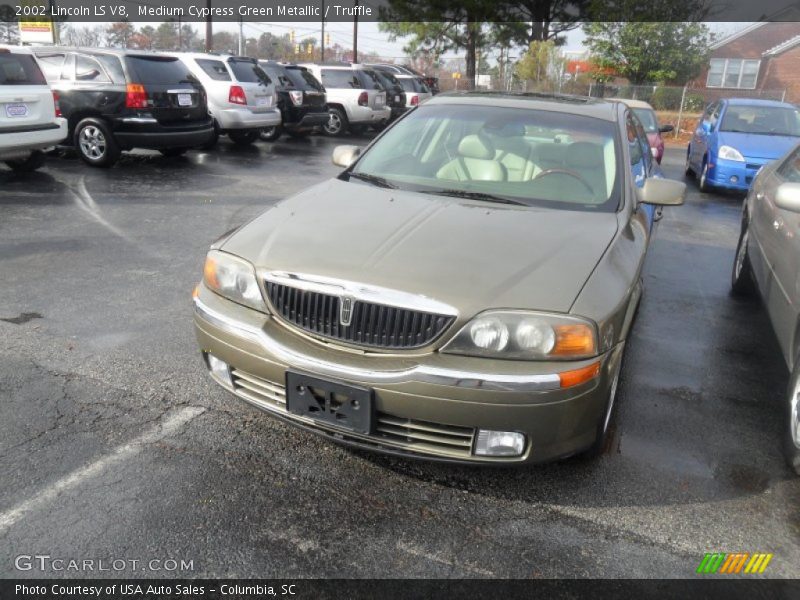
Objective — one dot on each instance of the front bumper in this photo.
(19, 144)
(441, 395)
(244, 118)
(734, 174)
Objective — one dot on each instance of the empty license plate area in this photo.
(334, 403)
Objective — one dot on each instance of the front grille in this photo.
(422, 437)
(372, 325)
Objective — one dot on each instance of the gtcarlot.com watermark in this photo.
(44, 563)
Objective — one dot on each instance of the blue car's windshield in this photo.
(765, 120)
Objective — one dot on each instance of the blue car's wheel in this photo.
(688, 167)
(704, 186)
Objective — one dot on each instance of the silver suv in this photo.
(355, 97)
(241, 96)
(30, 117)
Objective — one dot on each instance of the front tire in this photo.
(95, 143)
(244, 138)
(742, 273)
(337, 123)
(27, 165)
(687, 167)
(792, 440)
(604, 427)
(704, 185)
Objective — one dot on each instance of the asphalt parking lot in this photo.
(115, 444)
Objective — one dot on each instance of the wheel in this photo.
(337, 122)
(687, 169)
(212, 142)
(704, 186)
(173, 151)
(742, 274)
(27, 165)
(244, 138)
(792, 441)
(95, 143)
(603, 428)
(271, 134)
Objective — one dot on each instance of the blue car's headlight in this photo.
(729, 153)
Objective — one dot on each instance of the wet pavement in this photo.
(115, 445)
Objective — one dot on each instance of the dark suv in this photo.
(395, 94)
(301, 98)
(116, 100)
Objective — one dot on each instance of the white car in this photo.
(30, 119)
(354, 95)
(416, 90)
(241, 96)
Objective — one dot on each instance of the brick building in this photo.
(761, 60)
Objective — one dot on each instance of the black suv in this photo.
(116, 100)
(395, 94)
(301, 98)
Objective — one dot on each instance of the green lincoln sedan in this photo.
(462, 291)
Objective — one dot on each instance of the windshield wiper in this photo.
(373, 179)
(476, 196)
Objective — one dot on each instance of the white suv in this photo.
(241, 96)
(30, 119)
(355, 97)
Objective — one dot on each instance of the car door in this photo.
(779, 235)
(700, 138)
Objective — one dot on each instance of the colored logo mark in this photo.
(734, 563)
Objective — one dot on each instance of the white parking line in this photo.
(121, 453)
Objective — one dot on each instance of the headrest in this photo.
(585, 155)
(475, 146)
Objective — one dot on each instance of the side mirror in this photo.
(666, 129)
(787, 197)
(344, 156)
(662, 192)
(706, 125)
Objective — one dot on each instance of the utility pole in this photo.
(180, 35)
(355, 34)
(209, 34)
(241, 36)
(322, 41)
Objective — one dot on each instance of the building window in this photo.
(732, 73)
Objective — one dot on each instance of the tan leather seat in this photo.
(518, 157)
(588, 160)
(475, 162)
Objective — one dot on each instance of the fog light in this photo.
(734, 179)
(499, 443)
(219, 369)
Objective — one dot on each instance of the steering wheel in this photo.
(569, 172)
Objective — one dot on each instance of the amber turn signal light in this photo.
(578, 376)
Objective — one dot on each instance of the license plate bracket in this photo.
(184, 99)
(341, 405)
(16, 110)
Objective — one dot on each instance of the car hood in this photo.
(471, 255)
(753, 145)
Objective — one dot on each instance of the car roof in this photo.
(757, 102)
(580, 105)
(109, 51)
(631, 103)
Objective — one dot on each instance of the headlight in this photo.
(729, 153)
(234, 278)
(526, 335)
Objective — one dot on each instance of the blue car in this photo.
(736, 137)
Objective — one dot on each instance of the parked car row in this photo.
(113, 100)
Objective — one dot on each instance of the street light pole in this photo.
(355, 34)
(322, 41)
(209, 35)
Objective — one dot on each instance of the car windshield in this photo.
(277, 73)
(648, 119)
(509, 155)
(19, 69)
(157, 70)
(766, 120)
